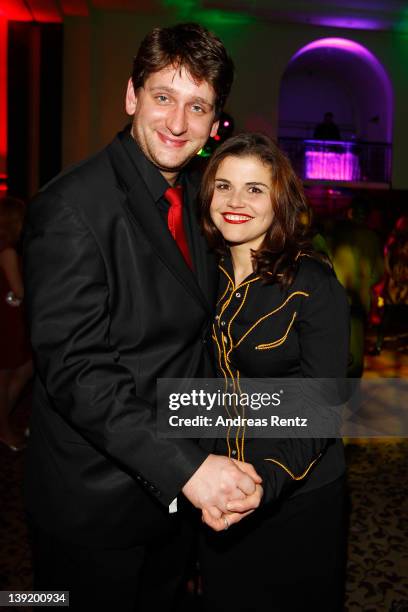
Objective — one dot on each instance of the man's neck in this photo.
(171, 177)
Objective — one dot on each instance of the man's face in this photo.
(173, 116)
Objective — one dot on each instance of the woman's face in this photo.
(241, 207)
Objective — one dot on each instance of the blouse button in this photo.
(238, 295)
(222, 323)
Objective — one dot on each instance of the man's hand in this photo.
(220, 480)
(239, 509)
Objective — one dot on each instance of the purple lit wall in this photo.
(338, 75)
(344, 45)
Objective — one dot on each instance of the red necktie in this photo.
(174, 196)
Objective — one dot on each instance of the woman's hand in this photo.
(240, 508)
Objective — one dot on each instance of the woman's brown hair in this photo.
(288, 236)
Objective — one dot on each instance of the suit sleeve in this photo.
(67, 294)
(323, 332)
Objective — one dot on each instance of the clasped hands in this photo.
(226, 491)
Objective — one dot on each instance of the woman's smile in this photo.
(241, 206)
(231, 217)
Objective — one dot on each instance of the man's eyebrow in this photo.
(172, 90)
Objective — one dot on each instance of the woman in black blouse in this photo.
(281, 313)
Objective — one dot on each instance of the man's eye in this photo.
(197, 109)
(162, 98)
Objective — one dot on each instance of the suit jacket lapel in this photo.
(143, 209)
(205, 264)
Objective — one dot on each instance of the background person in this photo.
(15, 353)
(327, 129)
(356, 253)
(391, 293)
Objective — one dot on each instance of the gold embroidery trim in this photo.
(226, 362)
(300, 254)
(248, 282)
(231, 345)
(276, 343)
(269, 314)
(225, 306)
(227, 275)
(233, 290)
(235, 409)
(223, 295)
(243, 415)
(226, 386)
(251, 280)
(291, 474)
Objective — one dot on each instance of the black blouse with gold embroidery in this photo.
(265, 331)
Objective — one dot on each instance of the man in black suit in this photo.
(119, 289)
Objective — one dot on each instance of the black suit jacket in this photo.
(112, 307)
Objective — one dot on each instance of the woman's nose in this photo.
(236, 201)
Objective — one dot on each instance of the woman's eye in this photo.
(255, 190)
(221, 186)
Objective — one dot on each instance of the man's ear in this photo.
(131, 99)
(214, 128)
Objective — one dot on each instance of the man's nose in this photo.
(177, 121)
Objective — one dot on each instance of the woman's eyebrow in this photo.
(257, 183)
(248, 183)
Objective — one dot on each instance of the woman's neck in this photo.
(241, 262)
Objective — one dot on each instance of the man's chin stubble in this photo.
(176, 168)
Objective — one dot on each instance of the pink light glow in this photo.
(353, 23)
(350, 46)
(332, 166)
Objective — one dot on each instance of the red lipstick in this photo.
(236, 218)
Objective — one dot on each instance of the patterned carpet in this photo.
(377, 577)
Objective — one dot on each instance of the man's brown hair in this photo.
(189, 46)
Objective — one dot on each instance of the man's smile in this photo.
(171, 142)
